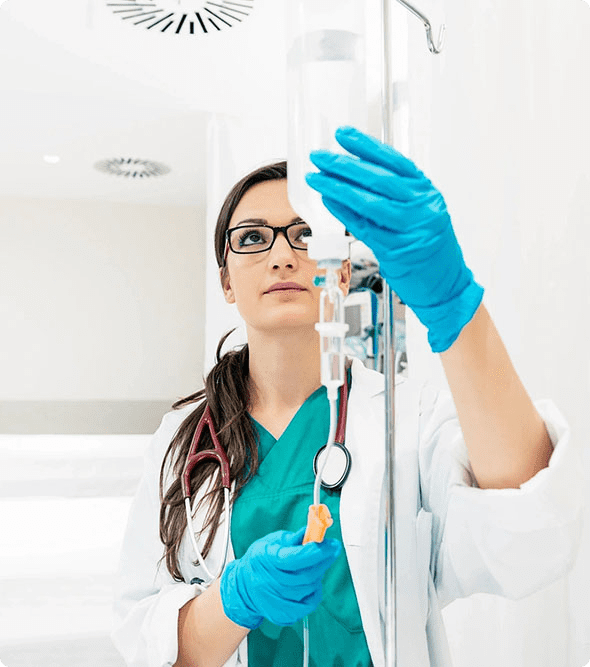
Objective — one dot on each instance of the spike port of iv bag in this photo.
(318, 522)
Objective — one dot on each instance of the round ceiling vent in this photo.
(132, 167)
(188, 17)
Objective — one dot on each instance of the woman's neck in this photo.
(284, 369)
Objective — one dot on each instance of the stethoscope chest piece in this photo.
(337, 468)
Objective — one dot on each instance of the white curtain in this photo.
(500, 123)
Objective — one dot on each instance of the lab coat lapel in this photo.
(362, 514)
(361, 495)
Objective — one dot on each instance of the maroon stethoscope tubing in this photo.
(193, 457)
(219, 455)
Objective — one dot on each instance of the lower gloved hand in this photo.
(277, 579)
(386, 202)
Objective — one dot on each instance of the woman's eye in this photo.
(253, 237)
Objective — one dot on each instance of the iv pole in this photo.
(389, 353)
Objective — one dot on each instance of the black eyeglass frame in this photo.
(275, 230)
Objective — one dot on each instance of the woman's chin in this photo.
(288, 322)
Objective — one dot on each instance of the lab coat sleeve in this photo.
(508, 542)
(147, 599)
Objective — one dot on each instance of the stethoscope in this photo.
(333, 476)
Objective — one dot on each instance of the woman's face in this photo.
(251, 276)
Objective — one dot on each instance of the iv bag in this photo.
(326, 89)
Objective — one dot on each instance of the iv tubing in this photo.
(332, 397)
(318, 478)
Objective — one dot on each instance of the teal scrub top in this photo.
(278, 498)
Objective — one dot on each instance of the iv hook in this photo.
(434, 48)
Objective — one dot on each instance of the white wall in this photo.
(100, 302)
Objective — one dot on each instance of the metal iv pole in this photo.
(390, 357)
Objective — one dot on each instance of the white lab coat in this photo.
(453, 539)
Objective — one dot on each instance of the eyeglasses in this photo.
(250, 239)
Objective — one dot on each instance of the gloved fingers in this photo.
(385, 214)
(270, 551)
(368, 176)
(357, 225)
(273, 541)
(288, 580)
(371, 149)
(289, 538)
(292, 588)
(403, 253)
(312, 554)
(292, 549)
(381, 223)
(290, 613)
(258, 594)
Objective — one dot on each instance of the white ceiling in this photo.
(82, 83)
(78, 82)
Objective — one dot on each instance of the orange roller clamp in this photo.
(318, 522)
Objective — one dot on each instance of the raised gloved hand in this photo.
(386, 202)
(277, 579)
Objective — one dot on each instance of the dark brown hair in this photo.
(227, 393)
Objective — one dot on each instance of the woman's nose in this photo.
(282, 250)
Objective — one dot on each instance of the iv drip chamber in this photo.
(326, 90)
(332, 329)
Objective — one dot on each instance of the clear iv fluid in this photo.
(326, 82)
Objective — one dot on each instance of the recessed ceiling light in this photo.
(134, 167)
(51, 159)
(189, 17)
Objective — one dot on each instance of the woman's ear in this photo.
(226, 286)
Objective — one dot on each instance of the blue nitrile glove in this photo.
(386, 202)
(277, 579)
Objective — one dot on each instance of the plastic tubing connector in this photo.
(318, 522)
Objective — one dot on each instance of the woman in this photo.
(457, 533)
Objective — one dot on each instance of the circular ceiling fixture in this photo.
(189, 17)
(132, 167)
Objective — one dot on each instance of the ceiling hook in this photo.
(434, 48)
